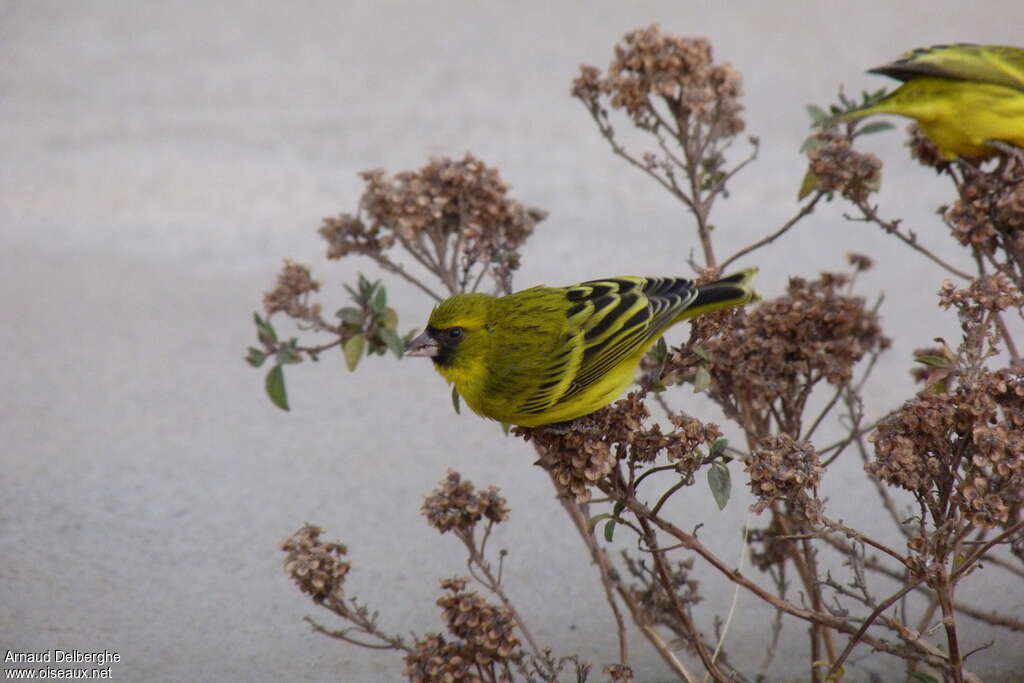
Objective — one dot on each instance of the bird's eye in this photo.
(455, 333)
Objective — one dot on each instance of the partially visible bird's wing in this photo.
(618, 317)
(1000, 65)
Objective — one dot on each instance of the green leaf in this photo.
(389, 318)
(934, 361)
(816, 113)
(701, 380)
(364, 284)
(379, 300)
(455, 401)
(702, 353)
(264, 330)
(876, 127)
(353, 349)
(255, 357)
(275, 387)
(661, 350)
(719, 446)
(720, 482)
(807, 185)
(505, 426)
(922, 677)
(352, 316)
(609, 528)
(393, 341)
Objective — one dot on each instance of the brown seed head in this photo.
(456, 505)
(291, 294)
(319, 568)
(838, 167)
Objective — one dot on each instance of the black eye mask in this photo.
(448, 339)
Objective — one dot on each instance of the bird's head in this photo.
(456, 332)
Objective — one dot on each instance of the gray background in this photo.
(159, 159)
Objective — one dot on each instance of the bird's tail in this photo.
(732, 290)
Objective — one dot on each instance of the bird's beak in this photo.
(423, 345)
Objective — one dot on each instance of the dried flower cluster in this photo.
(291, 294)
(487, 629)
(586, 450)
(485, 636)
(985, 295)
(651, 64)
(435, 660)
(456, 505)
(778, 350)
(319, 568)
(781, 468)
(838, 167)
(989, 215)
(977, 306)
(972, 439)
(463, 202)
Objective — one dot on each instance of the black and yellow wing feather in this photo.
(609, 321)
(996, 64)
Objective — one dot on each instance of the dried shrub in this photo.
(586, 451)
(971, 439)
(456, 505)
(488, 630)
(458, 204)
(318, 568)
(838, 167)
(650, 64)
(766, 363)
(781, 468)
(291, 294)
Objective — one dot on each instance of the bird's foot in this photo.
(577, 426)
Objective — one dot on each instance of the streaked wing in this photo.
(982, 63)
(618, 317)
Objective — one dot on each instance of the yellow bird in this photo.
(551, 354)
(964, 97)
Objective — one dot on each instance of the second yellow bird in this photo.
(963, 96)
(551, 354)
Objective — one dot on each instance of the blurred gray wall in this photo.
(158, 160)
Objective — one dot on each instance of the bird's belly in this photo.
(594, 397)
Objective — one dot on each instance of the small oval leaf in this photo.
(255, 357)
(393, 341)
(808, 184)
(353, 350)
(720, 482)
(455, 401)
(876, 127)
(275, 387)
(351, 315)
(380, 299)
(934, 361)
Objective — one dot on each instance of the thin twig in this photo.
(805, 210)
(838, 663)
(892, 227)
